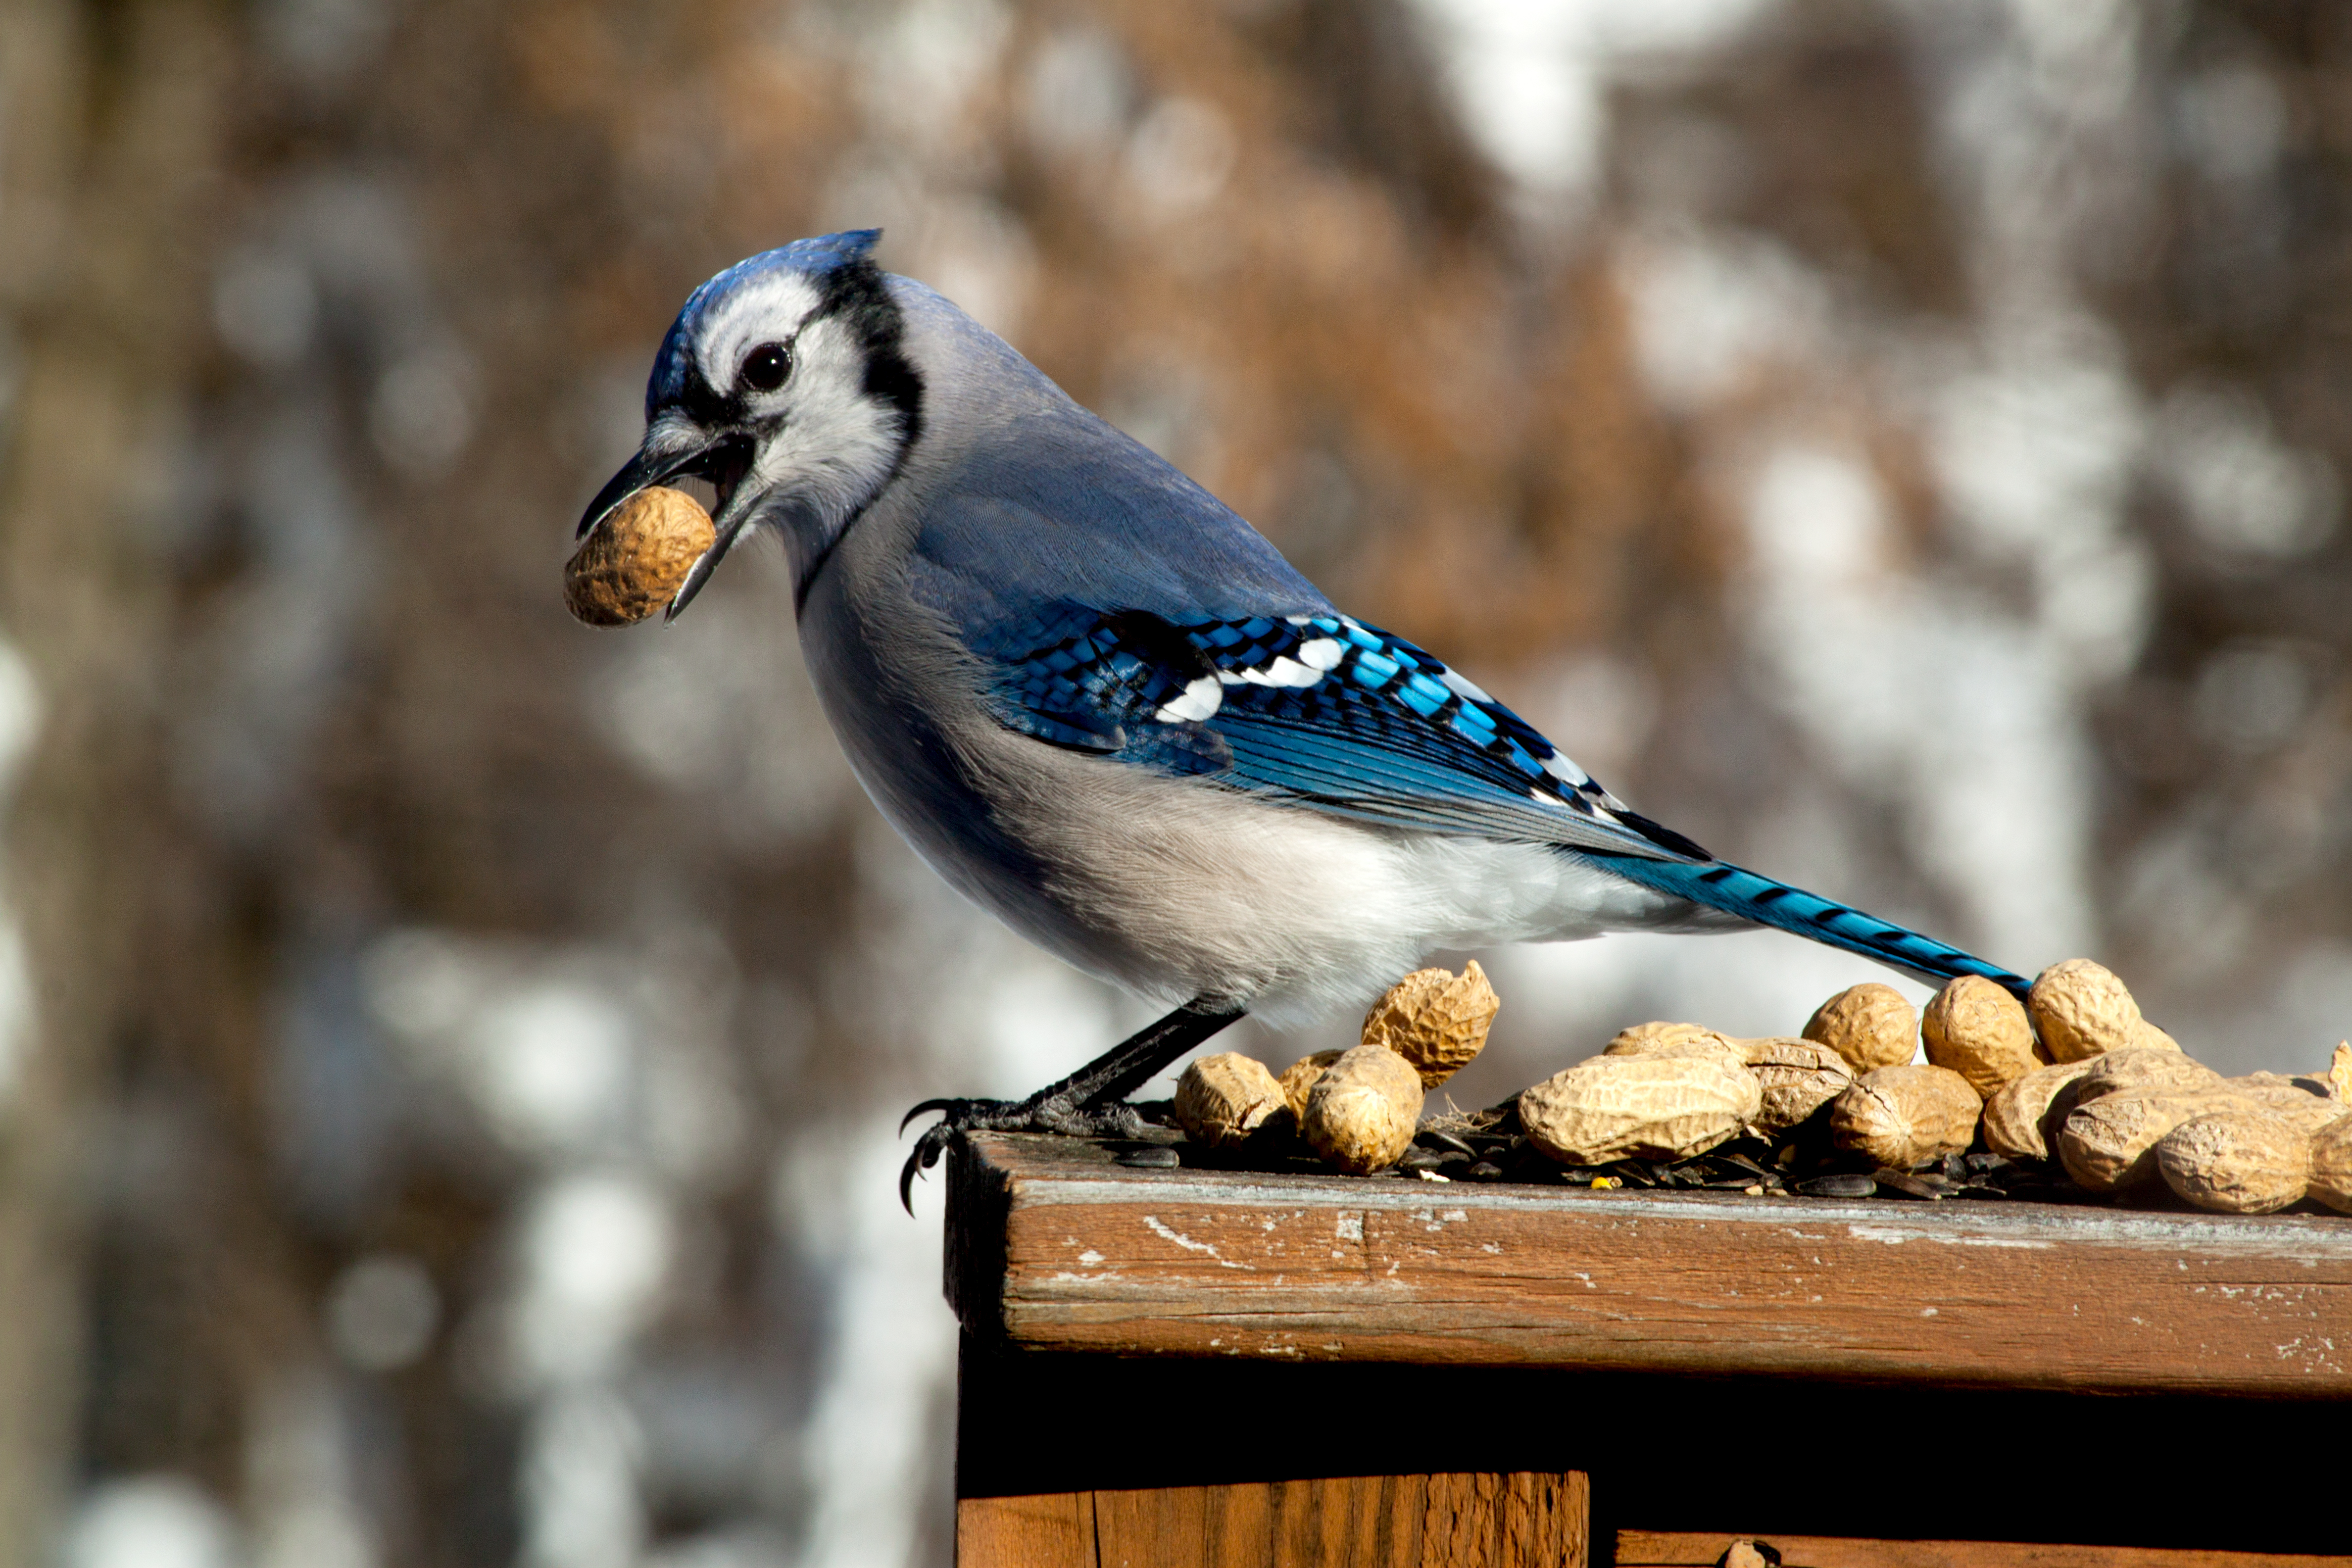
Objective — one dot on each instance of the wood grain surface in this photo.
(1053, 1246)
(1448, 1521)
(1055, 1530)
(1648, 1549)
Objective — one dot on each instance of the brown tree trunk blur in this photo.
(110, 117)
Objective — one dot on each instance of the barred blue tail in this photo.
(1721, 885)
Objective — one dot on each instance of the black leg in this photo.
(1087, 1103)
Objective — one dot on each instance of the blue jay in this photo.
(1106, 709)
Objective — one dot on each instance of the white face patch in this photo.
(826, 445)
(767, 310)
(837, 445)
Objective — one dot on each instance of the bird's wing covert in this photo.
(1320, 709)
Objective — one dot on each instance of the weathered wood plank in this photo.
(1061, 1249)
(1449, 1520)
(1652, 1549)
(1522, 1517)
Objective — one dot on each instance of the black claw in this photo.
(956, 1116)
(949, 1106)
(926, 1154)
(1087, 1103)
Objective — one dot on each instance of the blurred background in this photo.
(449, 1059)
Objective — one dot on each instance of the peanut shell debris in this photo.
(1224, 1098)
(1363, 1109)
(1870, 1025)
(1980, 1031)
(1435, 1019)
(634, 561)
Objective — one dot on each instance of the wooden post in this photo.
(1195, 1366)
(1088, 1462)
(1060, 1248)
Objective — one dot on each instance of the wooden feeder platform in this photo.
(1220, 1367)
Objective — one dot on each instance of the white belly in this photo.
(1179, 888)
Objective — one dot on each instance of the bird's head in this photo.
(783, 382)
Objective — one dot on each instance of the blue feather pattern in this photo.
(1320, 707)
(1359, 723)
(1720, 885)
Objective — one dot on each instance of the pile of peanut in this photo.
(1358, 1108)
(2073, 1078)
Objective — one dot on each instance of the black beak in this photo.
(723, 461)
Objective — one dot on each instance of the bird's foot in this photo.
(1039, 1113)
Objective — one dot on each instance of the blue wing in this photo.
(1349, 719)
(1315, 707)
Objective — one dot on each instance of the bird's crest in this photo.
(816, 258)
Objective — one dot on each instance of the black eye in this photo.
(765, 367)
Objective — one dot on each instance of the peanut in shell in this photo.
(2302, 1100)
(2109, 1143)
(2245, 1159)
(1797, 1078)
(2305, 1112)
(1300, 1076)
(634, 561)
(1435, 1019)
(2081, 1009)
(2143, 1067)
(2125, 1069)
(1870, 1026)
(1979, 1030)
(2331, 1165)
(2013, 1117)
(1658, 1039)
(1363, 1109)
(1222, 1099)
(1654, 1106)
(1901, 1115)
